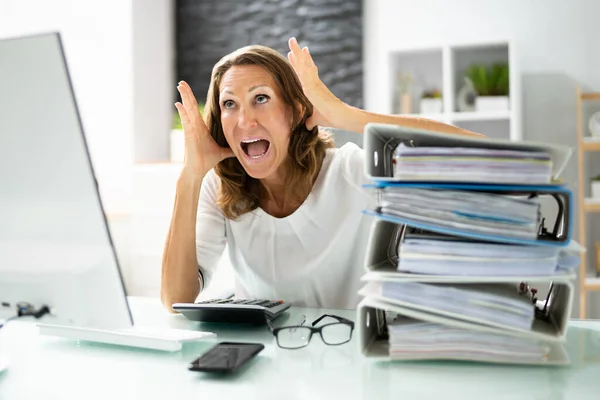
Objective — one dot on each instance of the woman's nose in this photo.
(247, 118)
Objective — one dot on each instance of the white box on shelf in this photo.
(596, 190)
(431, 106)
(491, 103)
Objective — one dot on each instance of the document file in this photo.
(444, 255)
(471, 165)
(472, 211)
(411, 339)
(499, 304)
(495, 213)
(396, 153)
(388, 331)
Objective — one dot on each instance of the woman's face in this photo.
(255, 120)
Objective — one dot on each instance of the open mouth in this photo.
(255, 148)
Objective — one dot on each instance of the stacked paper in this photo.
(471, 271)
(433, 254)
(411, 339)
(471, 165)
(494, 304)
(470, 211)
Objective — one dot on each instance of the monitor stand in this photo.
(156, 338)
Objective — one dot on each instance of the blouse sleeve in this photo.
(354, 164)
(210, 229)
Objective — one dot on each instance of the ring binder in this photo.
(560, 234)
(373, 341)
(381, 140)
(382, 258)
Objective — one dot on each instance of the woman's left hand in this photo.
(325, 105)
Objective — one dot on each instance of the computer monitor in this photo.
(55, 243)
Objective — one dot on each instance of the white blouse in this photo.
(311, 258)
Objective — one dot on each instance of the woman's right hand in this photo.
(201, 152)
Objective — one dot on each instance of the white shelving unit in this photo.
(443, 67)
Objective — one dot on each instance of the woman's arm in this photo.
(179, 277)
(332, 112)
(354, 119)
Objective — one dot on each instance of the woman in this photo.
(261, 176)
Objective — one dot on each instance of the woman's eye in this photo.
(228, 104)
(262, 98)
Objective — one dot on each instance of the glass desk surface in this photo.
(53, 368)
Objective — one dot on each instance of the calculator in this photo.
(232, 310)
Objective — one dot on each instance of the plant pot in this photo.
(177, 145)
(596, 190)
(431, 106)
(405, 103)
(491, 103)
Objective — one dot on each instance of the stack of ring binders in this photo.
(470, 255)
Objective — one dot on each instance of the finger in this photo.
(307, 57)
(293, 44)
(305, 49)
(182, 114)
(189, 103)
(186, 99)
(189, 91)
(183, 94)
(292, 59)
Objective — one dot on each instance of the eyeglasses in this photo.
(298, 336)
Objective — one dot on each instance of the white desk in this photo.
(49, 368)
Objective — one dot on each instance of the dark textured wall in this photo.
(206, 30)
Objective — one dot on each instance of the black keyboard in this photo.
(233, 310)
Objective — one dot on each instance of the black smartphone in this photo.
(226, 357)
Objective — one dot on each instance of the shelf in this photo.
(592, 283)
(591, 143)
(466, 116)
(480, 116)
(436, 117)
(590, 96)
(592, 205)
(443, 67)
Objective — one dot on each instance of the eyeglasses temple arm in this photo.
(340, 319)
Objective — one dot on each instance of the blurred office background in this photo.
(388, 56)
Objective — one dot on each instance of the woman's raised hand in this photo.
(201, 153)
(327, 107)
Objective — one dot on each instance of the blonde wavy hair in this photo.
(239, 193)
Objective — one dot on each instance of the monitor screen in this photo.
(55, 245)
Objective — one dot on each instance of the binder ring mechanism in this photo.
(389, 147)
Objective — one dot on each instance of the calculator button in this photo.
(260, 302)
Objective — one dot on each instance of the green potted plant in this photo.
(492, 85)
(177, 140)
(431, 102)
(595, 184)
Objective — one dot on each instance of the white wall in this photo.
(153, 78)
(556, 48)
(98, 40)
